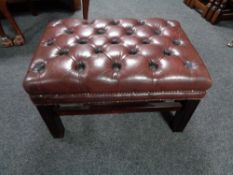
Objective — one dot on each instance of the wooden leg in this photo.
(181, 118)
(85, 4)
(5, 41)
(2, 33)
(208, 7)
(186, 2)
(77, 4)
(217, 15)
(52, 120)
(192, 3)
(9, 17)
(213, 9)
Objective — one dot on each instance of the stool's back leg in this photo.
(52, 120)
(181, 118)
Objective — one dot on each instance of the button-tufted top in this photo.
(119, 59)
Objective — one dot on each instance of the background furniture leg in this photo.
(209, 6)
(181, 118)
(5, 41)
(19, 39)
(2, 33)
(85, 4)
(188, 2)
(52, 120)
(218, 12)
(76, 5)
(212, 10)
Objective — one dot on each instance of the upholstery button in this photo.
(50, 42)
(115, 41)
(189, 64)
(157, 32)
(63, 51)
(69, 31)
(145, 41)
(114, 22)
(142, 22)
(129, 31)
(82, 41)
(133, 51)
(177, 42)
(100, 31)
(167, 52)
(98, 50)
(81, 67)
(116, 67)
(39, 67)
(153, 66)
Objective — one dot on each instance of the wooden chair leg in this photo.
(52, 120)
(85, 4)
(181, 118)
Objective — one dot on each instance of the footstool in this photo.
(114, 66)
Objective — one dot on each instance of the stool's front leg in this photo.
(52, 120)
(182, 117)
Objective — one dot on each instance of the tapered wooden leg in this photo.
(52, 120)
(181, 118)
(85, 4)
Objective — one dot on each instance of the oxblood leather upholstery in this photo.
(115, 60)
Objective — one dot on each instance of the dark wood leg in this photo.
(9, 17)
(212, 10)
(208, 7)
(85, 4)
(5, 41)
(52, 120)
(76, 5)
(181, 118)
(218, 12)
(192, 3)
(19, 38)
(2, 33)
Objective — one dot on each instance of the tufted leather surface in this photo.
(115, 60)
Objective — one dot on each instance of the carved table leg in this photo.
(213, 9)
(218, 12)
(188, 2)
(52, 120)
(181, 118)
(209, 6)
(192, 3)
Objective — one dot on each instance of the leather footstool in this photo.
(113, 66)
